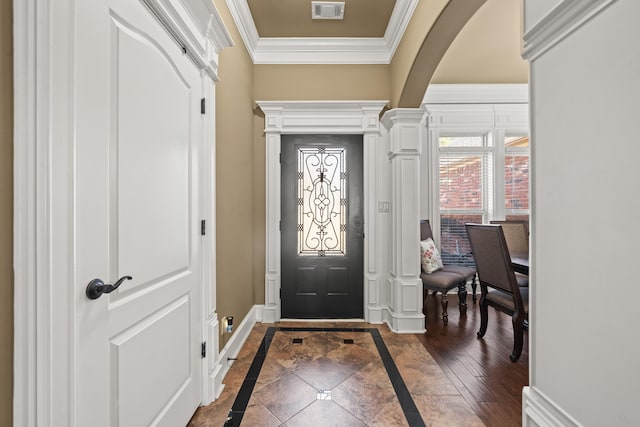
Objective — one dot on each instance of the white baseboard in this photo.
(403, 324)
(259, 309)
(269, 314)
(233, 346)
(215, 379)
(374, 315)
(540, 411)
(386, 316)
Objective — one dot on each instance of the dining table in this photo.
(520, 263)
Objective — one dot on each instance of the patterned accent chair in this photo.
(446, 278)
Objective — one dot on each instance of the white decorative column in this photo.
(273, 132)
(405, 304)
(371, 142)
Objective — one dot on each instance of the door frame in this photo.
(347, 296)
(321, 117)
(43, 229)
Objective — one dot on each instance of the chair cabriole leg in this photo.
(518, 336)
(474, 285)
(445, 305)
(462, 297)
(484, 317)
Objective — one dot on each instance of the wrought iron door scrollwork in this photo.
(322, 216)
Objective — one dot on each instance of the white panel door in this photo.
(137, 142)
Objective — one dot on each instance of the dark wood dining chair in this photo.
(516, 234)
(498, 285)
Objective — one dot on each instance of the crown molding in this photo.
(306, 117)
(560, 22)
(322, 107)
(197, 26)
(244, 21)
(400, 17)
(322, 50)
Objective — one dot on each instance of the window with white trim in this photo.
(516, 177)
(465, 191)
(479, 170)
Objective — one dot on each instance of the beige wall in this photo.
(234, 179)
(6, 213)
(487, 50)
(321, 82)
(458, 41)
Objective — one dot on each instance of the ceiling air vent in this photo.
(327, 10)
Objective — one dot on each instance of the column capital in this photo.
(405, 116)
(404, 126)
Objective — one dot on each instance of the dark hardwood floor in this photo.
(479, 368)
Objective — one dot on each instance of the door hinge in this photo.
(202, 106)
(203, 349)
(280, 157)
(280, 225)
(203, 227)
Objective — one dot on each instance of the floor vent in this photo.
(297, 340)
(348, 341)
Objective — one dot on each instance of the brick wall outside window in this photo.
(461, 188)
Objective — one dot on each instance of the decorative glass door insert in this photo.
(321, 201)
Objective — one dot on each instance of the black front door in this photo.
(322, 226)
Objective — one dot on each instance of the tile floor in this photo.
(334, 374)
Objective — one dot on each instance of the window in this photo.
(516, 177)
(465, 166)
(476, 162)
(481, 177)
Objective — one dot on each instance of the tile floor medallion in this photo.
(334, 374)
